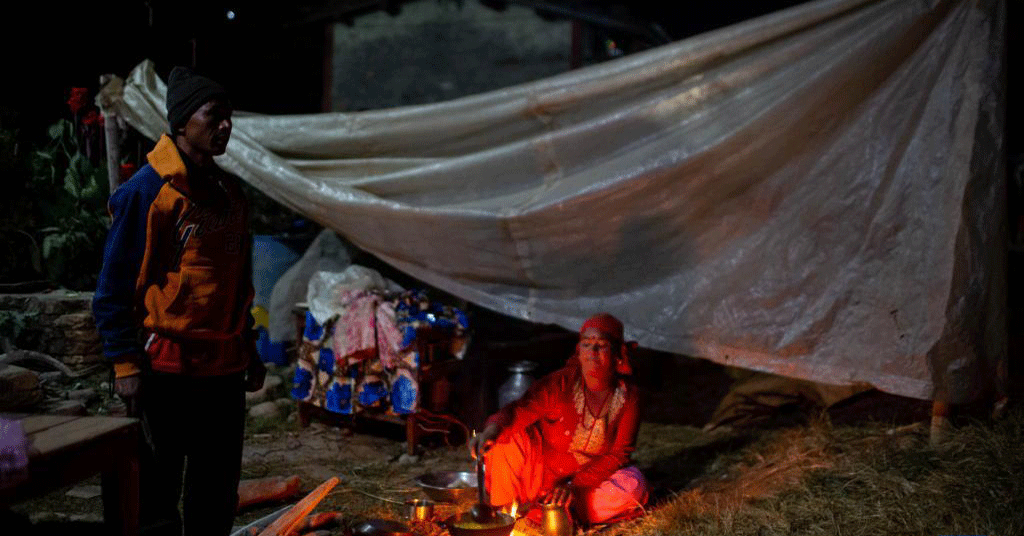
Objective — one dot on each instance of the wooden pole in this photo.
(327, 97)
(112, 140)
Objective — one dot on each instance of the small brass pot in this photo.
(555, 521)
(421, 510)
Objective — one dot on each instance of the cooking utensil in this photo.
(463, 525)
(448, 486)
(481, 511)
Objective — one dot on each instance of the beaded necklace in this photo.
(589, 439)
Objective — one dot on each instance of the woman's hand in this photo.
(561, 495)
(482, 442)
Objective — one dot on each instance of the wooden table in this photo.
(67, 449)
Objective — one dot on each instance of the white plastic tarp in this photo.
(816, 193)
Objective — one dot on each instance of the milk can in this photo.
(517, 384)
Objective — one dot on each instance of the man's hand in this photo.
(129, 388)
(255, 374)
(482, 442)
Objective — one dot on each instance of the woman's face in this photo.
(597, 357)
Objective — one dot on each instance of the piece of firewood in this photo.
(284, 524)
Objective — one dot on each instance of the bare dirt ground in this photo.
(376, 476)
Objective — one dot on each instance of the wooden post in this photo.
(410, 433)
(112, 140)
(576, 54)
(327, 98)
(120, 487)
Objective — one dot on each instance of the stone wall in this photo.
(57, 323)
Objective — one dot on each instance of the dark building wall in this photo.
(434, 51)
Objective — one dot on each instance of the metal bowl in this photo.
(449, 486)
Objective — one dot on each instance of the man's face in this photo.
(209, 128)
(597, 358)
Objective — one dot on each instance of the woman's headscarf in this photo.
(612, 328)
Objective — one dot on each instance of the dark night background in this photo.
(272, 56)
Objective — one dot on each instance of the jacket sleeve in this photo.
(114, 302)
(601, 467)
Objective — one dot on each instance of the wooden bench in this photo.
(67, 449)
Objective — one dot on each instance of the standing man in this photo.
(172, 307)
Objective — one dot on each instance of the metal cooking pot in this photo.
(501, 525)
(448, 486)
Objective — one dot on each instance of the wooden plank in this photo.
(34, 424)
(81, 430)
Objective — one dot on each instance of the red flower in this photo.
(127, 170)
(79, 98)
(91, 118)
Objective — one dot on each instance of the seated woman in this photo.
(568, 439)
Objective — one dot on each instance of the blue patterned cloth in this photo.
(348, 385)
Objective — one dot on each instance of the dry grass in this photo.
(819, 480)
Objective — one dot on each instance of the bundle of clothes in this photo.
(366, 357)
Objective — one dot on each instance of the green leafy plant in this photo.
(71, 188)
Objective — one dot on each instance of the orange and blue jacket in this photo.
(175, 289)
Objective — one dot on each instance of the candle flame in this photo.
(514, 510)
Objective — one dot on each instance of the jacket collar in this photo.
(167, 162)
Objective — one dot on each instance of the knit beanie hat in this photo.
(186, 93)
